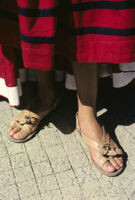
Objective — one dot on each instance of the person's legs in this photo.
(86, 76)
(46, 91)
(38, 55)
(47, 97)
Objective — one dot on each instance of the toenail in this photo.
(110, 167)
(121, 164)
(12, 123)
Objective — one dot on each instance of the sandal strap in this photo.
(93, 144)
(106, 150)
(102, 161)
(107, 147)
(32, 114)
(28, 118)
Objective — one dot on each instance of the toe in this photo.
(19, 135)
(11, 126)
(119, 161)
(108, 167)
(114, 163)
(14, 130)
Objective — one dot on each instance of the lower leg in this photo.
(86, 76)
(46, 91)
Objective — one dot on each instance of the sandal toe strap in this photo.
(28, 122)
(111, 150)
(28, 118)
(102, 161)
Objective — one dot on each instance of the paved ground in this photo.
(55, 165)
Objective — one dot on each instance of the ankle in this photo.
(43, 103)
(86, 113)
(48, 100)
(89, 125)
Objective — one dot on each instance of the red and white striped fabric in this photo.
(8, 81)
(104, 31)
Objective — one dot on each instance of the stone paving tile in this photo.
(79, 160)
(6, 178)
(42, 169)
(52, 195)
(72, 193)
(49, 138)
(92, 190)
(66, 179)
(55, 152)
(113, 189)
(37, 156)
(5, 121)
(84, 175)
(127, 180)
(72, 148)
(4, 106)
(60, 164)
(47, 183)
(3, 149)
(120, 131)
(66, 138)
(131, 150)
(27, 189)
(14, 148)
(4, 164)
(32, 197)
(132, 196)
(96, 173)
(33, 144)
(89, 183)
(23, 174)
(9, 193)
(19, 160)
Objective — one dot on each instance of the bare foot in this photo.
(91, 130)
(26, 123)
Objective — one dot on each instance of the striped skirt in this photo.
(101, 31)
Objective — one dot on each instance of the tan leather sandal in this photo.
(28, 122)
(106, 150)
